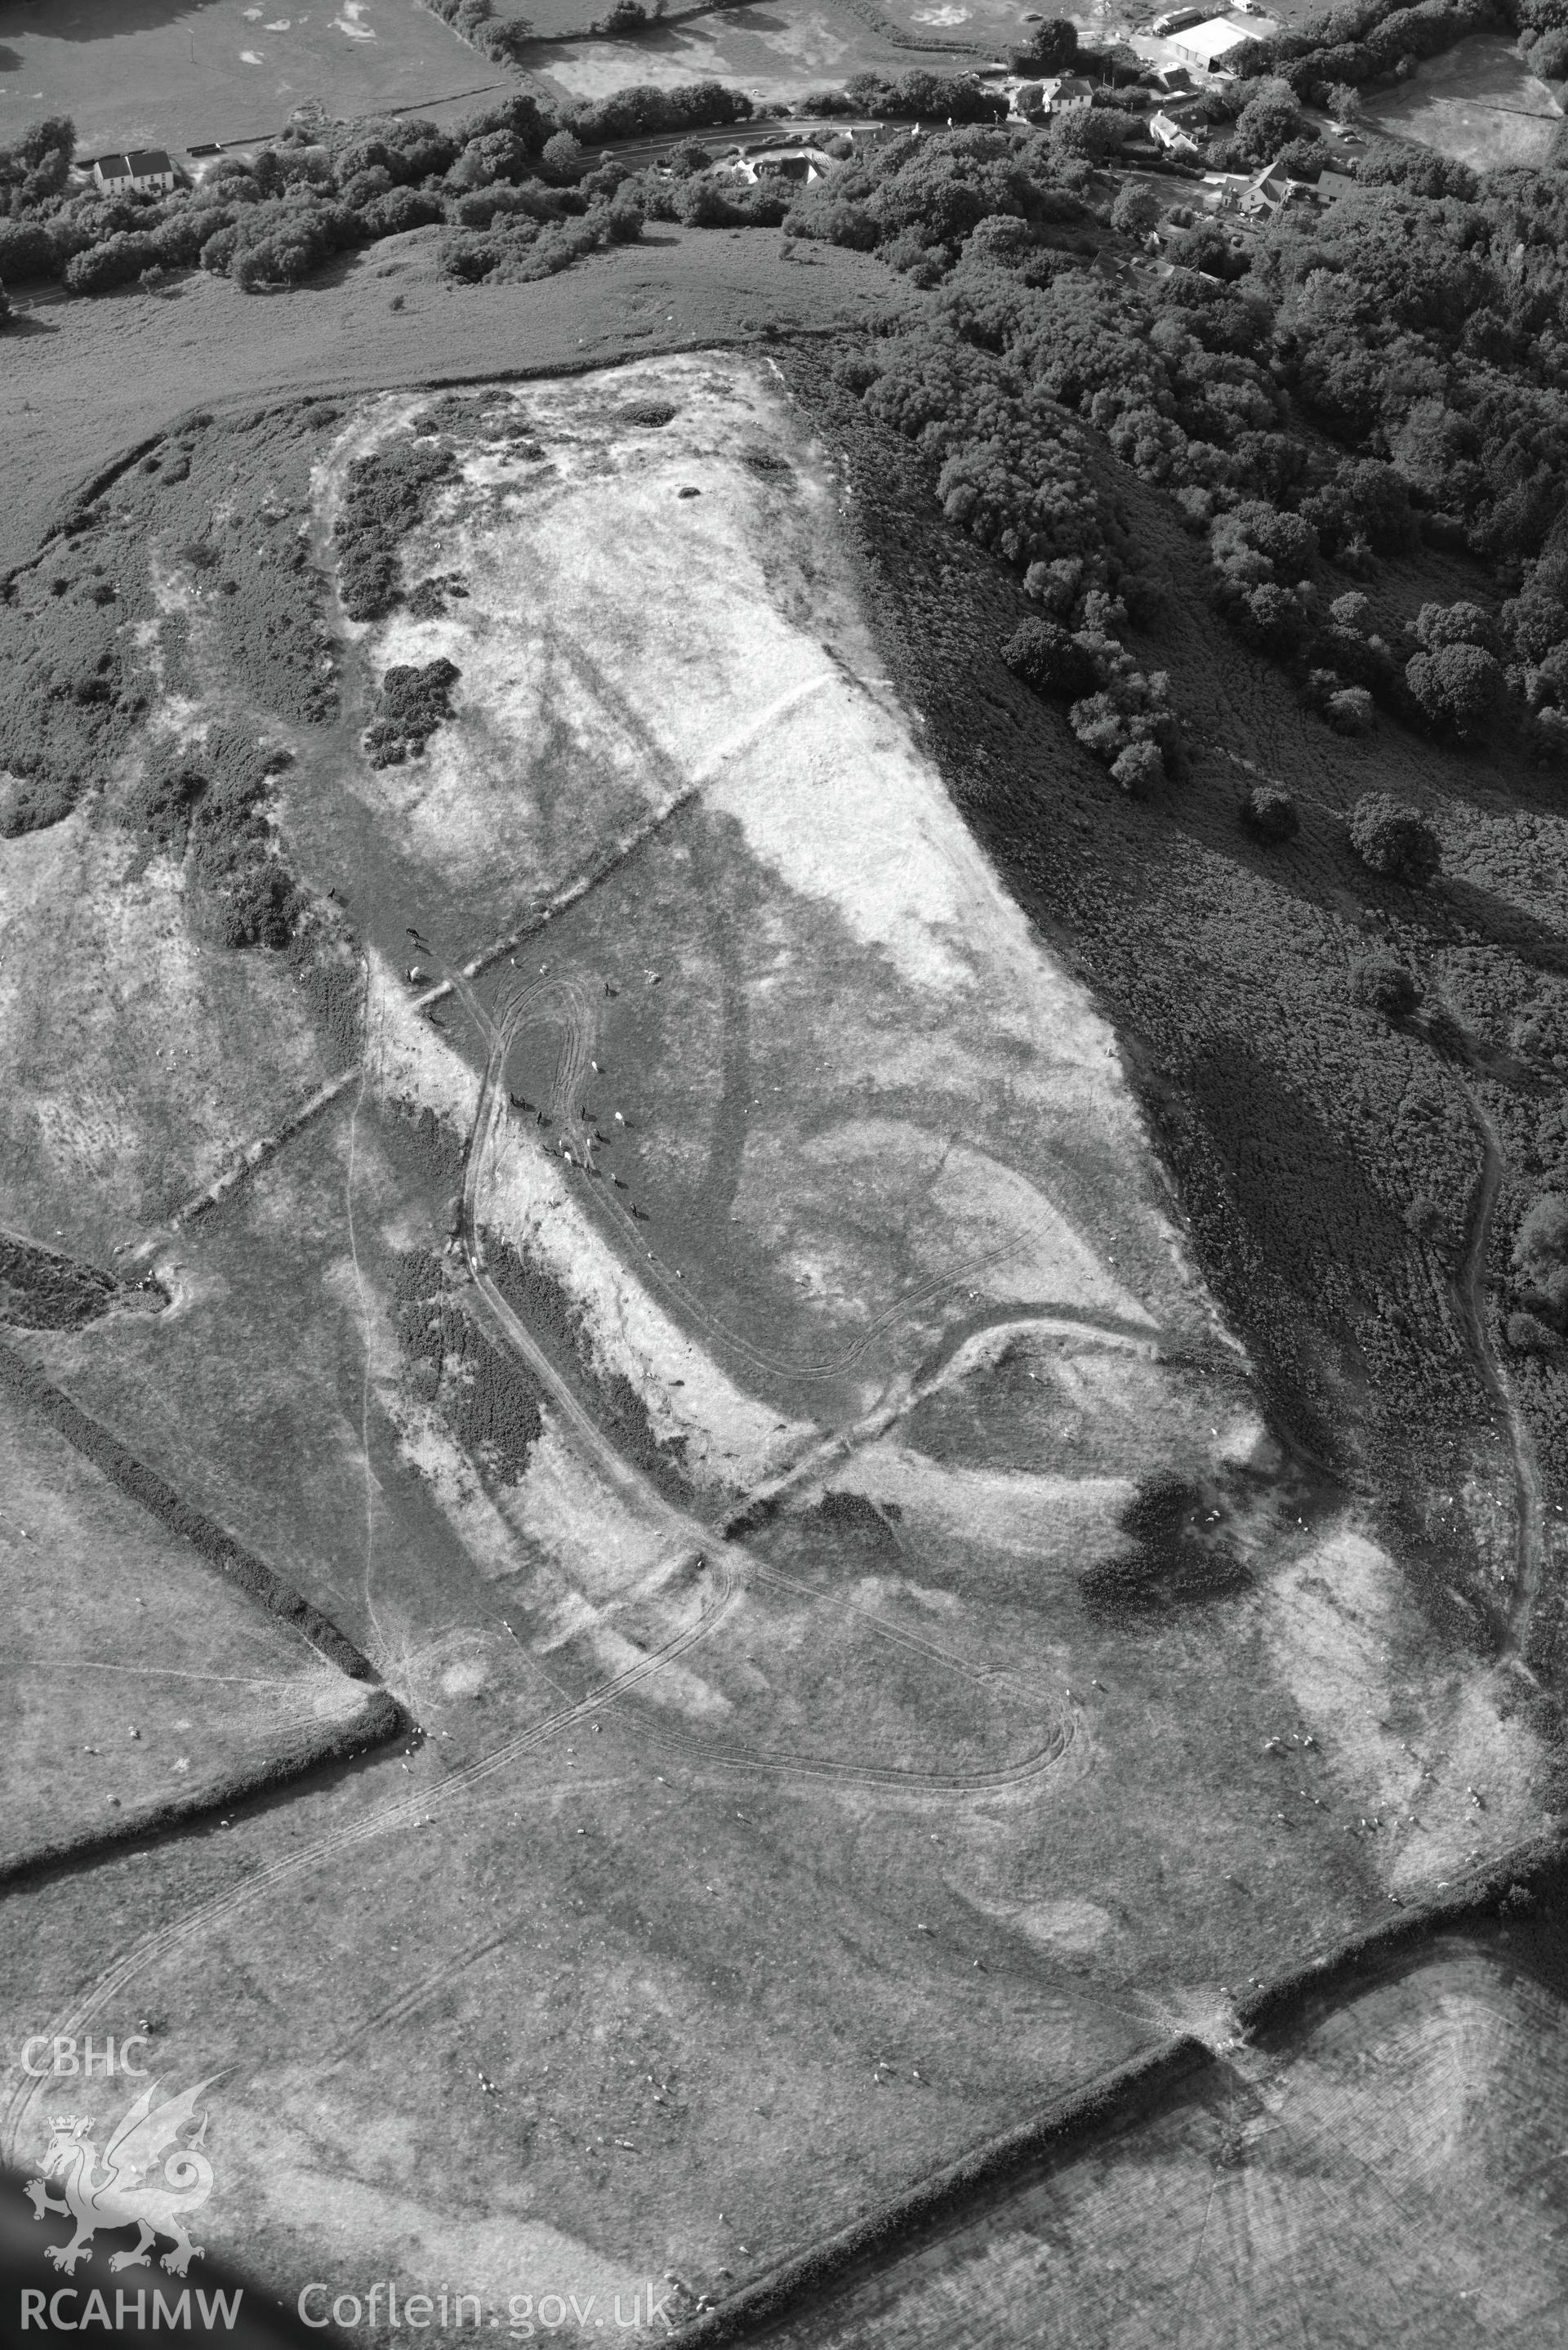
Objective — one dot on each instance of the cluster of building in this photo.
(1185, 51)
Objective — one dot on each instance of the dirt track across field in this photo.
(1530, 1507)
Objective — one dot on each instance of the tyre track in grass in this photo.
(1530, 1508)
(412, 1813)
(690, 1538)
(408, 1812)
(784, 1761)
(780, 1762)
(841, 1446)
(571, 997)
(566, 1106)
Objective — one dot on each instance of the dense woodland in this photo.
(1321, 1018)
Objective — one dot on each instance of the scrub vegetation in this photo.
(42, 1290)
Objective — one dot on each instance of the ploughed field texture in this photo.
(662, 1264)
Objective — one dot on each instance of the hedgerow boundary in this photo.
(378, 1719)
(1110, 2106)
(872, 17)
(867, 11)
(1114, 2101)
(232, 1560)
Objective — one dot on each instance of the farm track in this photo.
(779, 1763)
(1530, 1511)
(245, 1162)
(413, 1813)
(571, 999)
(410, 1812)
(564, 1106)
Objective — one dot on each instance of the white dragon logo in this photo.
(120, 2199)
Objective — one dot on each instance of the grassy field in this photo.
(730, 1886)
(775, 54)
(226, 72)
(93, 377)
(151, 1059)
(1476, 102)
(1383, 2167)
(145, 1694)
(221, 69)
(1055, 1691)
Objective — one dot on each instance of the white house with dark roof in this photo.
(1065, 93)
(1169, 134)
(145, 170)
(1266, 192)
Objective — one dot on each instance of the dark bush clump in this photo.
(1540, 1256)
(1528, 1335)
(503, 40)
(1269, 813)
(1455, 686)
(383, 502)
(647, 107)
(414, 702)
(245, 893)
(162, 807)
(489, 1401)
(1051, 49)
(118, 261)
(1381, 983)
(399, 209)
(1175, 1559)
(1350, 710)
(1394, 842)
(1048, 658)
(1456, 624)
(929, 97)
(41, 1290)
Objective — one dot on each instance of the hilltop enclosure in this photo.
(707, 1324)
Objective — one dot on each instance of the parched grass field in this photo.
(1385, 2168)
(773, 53)
(135, 1060)
(139, 1687)
(228, 70)
(1476, 102)
(171, 76)
(1041, 1696)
